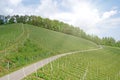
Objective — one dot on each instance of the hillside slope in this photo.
(35, 44)
(8, 34)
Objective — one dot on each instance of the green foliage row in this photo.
(93, 65)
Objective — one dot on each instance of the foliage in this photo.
(117, 44)
(1, 22)
(11, 20)
(108, 41)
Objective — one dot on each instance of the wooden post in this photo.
(35, 69)
(8, 66)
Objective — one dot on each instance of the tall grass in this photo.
(8, 34)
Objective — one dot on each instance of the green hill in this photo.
(23, 44)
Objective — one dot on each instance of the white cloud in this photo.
(7, 7)
(46, 8)
(80, 12)
(109, 14)
(110, 23)
(15, 2)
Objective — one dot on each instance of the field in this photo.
(102, 64)
(23, 44)
(8, 35)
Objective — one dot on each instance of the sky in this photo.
(96, 17)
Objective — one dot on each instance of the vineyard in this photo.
(23, 44)
(101, 64)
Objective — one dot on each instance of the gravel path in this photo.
(20, 74)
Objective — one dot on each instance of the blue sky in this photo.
(32, 2)
(98, 17)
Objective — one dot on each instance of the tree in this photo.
(17, 18)
(1, 21)
(11, 20)
(117, 44)
(108, 41)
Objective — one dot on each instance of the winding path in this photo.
(20, 74)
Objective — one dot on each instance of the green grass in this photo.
(58, 42)
(8, 34)
(32, 43)
(103, 64)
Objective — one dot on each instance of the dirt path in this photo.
(20, 74)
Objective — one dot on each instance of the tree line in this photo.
(59, 26)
